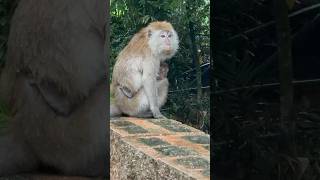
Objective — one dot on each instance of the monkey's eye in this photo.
(163, 36)
(169, 35)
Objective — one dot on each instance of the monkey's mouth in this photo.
(167, 50)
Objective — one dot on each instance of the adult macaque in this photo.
(55, 84)
(134, 81)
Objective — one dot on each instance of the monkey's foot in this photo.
(159, 116)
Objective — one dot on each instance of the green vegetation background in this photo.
(191, 20)
(6, 10)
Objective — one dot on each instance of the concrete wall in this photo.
(157, 149)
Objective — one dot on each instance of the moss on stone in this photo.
(153, 141)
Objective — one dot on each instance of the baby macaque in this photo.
(163, 72)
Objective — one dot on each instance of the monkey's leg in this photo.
(163, 87)
(14, 157)
(114, 110)
(129, 106)
(149, 85)
(73, 145)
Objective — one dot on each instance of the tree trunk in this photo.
(285, 75)
(195, 59)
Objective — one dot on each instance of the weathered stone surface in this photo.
(168, 150)
(194, 162)
(175, 151)
(171, 125)
(153, 141)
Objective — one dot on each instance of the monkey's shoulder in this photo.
(128, 65)
(132, 61)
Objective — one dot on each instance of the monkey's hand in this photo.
(126, 91)
(159, 116)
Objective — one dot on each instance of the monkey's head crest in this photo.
(160, 25)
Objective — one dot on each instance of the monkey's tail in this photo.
(114, 110)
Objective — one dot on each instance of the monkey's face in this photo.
(164, 42)
(165, 38)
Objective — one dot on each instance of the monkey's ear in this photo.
(149, 33)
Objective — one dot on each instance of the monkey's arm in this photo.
(56, 100)
(149, 85)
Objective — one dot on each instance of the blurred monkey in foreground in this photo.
(135, 87)
(54, 83)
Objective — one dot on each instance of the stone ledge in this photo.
(157, 149)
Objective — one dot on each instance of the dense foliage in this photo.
(249, 137)
(6, 11)
(128, 17)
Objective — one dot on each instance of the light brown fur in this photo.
(137, 68)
